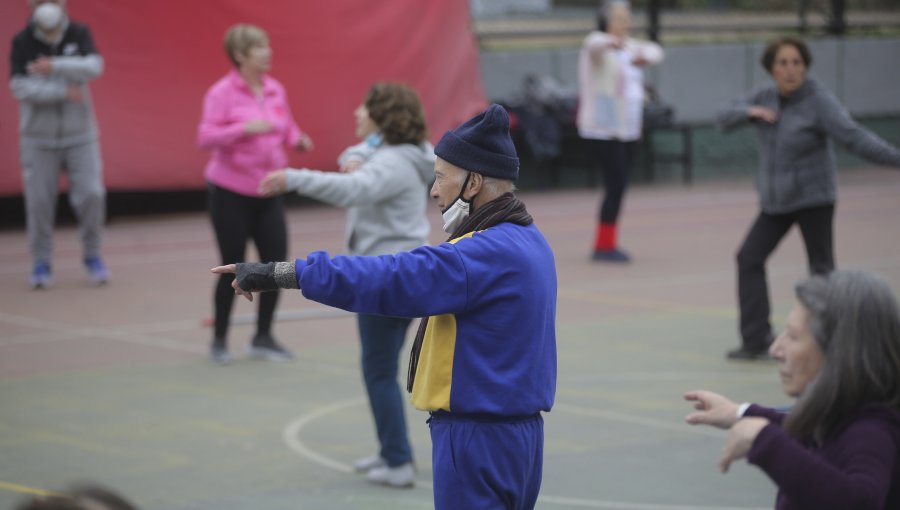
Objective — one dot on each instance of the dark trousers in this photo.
(237, 218)
(488, 463)
(766, 232)
(615, 158)
(382, 338)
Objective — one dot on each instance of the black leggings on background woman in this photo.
(615, 159)
(237, 218)
(768, 230)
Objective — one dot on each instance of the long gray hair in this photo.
(854, 318)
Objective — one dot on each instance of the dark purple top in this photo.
(856, 468)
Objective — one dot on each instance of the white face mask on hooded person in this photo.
(458, 211)
(48, 15)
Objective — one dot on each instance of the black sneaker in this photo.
(265, 347)
(748, 354)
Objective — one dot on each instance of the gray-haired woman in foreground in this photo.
(839, 446)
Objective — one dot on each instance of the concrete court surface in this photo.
(112, 384)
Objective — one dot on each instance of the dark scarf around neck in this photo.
(505, 208)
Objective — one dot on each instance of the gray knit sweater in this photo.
(796, 159)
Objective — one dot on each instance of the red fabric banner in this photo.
(161, 56)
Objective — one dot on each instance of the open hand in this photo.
(274, 183)
(762, 113)
(305, 144)
(42, 65)
(740, 440)
(712, 409)
(257, 127)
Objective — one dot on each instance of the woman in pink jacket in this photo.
(246, 123)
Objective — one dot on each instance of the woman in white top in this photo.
(611, 101)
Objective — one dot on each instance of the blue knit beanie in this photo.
(482, 144)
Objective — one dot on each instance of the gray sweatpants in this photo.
(40, 176)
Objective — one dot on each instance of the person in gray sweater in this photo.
(796, 120)
(52, 61)
(384, 184)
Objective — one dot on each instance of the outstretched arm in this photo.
(430, 280)
(744, 110)
(834, 120)
(371, 183)
(861, 481)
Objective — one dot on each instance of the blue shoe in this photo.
(97, 270)
(41, 276)
(613, 255)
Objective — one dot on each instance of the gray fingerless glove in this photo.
(259, 277)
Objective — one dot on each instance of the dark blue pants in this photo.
(489, 463)
(382, 338)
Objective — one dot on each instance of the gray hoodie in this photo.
(796, 159)
(385, 198)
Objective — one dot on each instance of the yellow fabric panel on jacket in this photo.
(431, 390)
(434, 373)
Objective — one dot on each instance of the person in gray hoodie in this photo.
(795, 119)
(52, 60)
(384, 184)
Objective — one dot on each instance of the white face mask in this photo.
(458, 211)
(48, 16)
(455, 214)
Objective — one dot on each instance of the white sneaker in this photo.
(402, 476)
(366, 464)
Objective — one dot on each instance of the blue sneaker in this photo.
(613, 255)
(41, 276)
(97, 270)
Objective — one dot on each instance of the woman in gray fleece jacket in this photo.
(795, 119)
(384, 184)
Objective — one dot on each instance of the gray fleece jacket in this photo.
(385, 198)
(796, 158)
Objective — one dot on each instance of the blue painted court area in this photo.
(112, 384)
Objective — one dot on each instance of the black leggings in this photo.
(615, 159)
(767, 231)
(235, 219)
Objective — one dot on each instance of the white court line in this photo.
(105, 333)
(145, 338)
(292, 431)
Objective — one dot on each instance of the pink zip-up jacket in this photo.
(239, 161)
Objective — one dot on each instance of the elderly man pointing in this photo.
(484, 360)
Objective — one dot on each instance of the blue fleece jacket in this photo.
(490, 345)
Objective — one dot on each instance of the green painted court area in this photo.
(112, 384)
